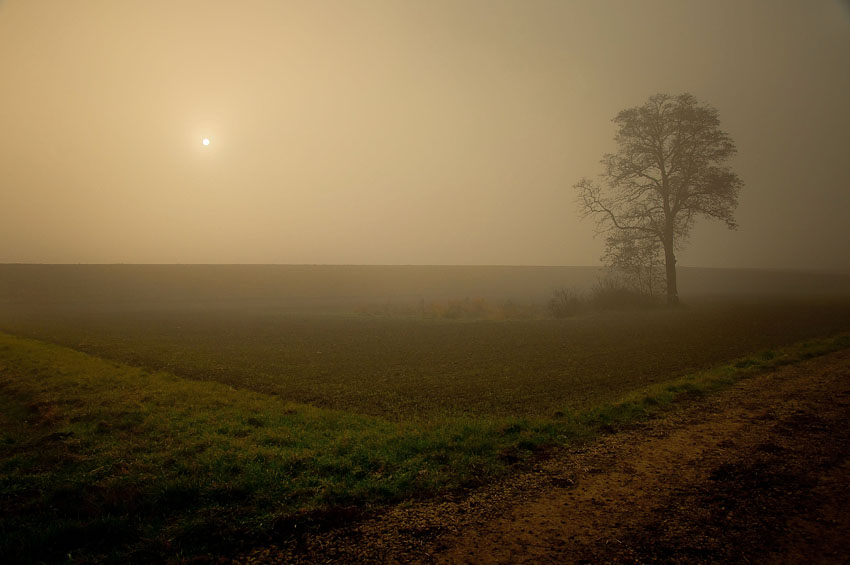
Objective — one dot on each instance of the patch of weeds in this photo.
(276, 441)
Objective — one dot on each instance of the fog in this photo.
(440, 132)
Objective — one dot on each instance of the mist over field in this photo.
(342, 288)
(445, 281)
(415, 340)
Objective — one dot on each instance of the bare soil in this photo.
(409, 368)
(757, 473)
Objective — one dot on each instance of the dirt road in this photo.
(758, 473)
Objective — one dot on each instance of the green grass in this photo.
(105, 461)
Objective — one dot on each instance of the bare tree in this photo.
(669, 169)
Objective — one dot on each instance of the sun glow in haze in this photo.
(368, 124)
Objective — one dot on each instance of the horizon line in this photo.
(834, 270)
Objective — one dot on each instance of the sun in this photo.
(205, 141)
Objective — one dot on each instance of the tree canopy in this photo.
(669, 169)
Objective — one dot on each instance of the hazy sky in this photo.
(427, 132)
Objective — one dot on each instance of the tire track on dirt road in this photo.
(758, 473)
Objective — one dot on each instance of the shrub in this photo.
(565, 302)
(465, 309)
(612, 293)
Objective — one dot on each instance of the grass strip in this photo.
(101, 461)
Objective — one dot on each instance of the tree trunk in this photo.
(670, 264)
